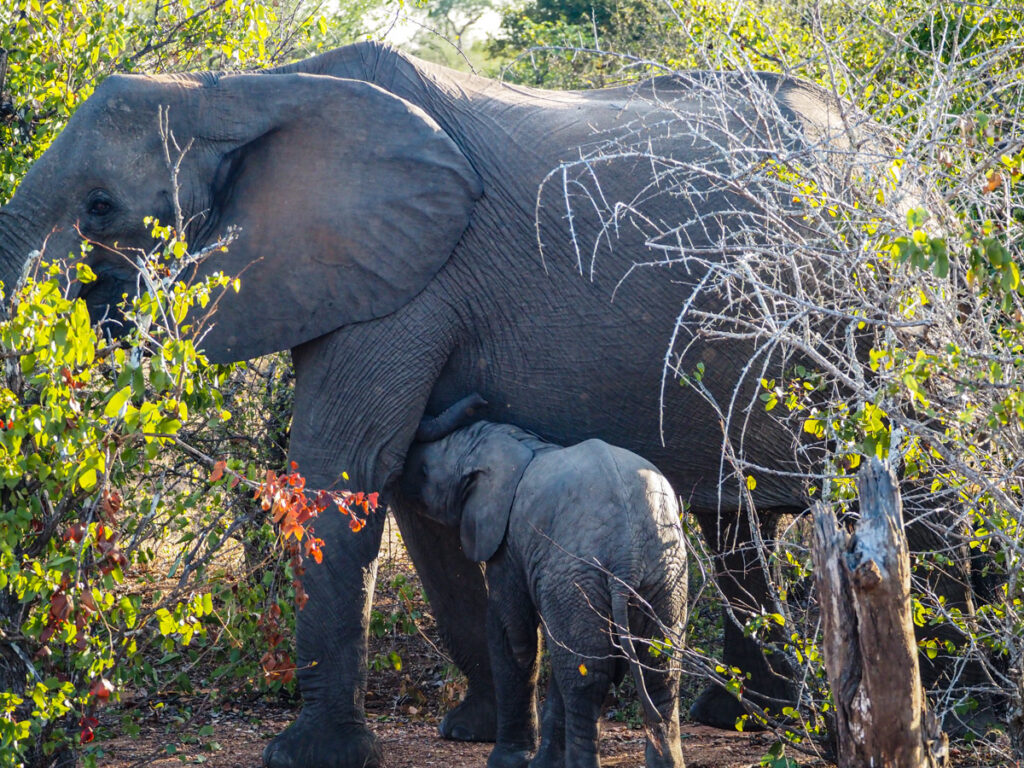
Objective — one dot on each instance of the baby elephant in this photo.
(584, 540)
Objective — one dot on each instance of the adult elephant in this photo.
(389, 221)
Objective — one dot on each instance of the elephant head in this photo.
(347, 199)
(469, 480)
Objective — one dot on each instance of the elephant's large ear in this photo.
(497, 467)
(349, 200)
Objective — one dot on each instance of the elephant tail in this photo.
(620, 616)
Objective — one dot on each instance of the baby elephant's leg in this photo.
(583, 691)
(661, 679)
(552, 730)
(512, 642)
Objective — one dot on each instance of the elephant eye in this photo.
(100, 204)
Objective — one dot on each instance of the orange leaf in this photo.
(280, 510)
(356, 524)
(218, 471)
(995, 180)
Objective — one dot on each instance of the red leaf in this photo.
(356, 524)
(87, 601)
(101, 689)
(75, 533)
(301, 598)
(110, 505)
(218, 471)
(60, 606)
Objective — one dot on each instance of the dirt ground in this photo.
(239, 735)
(404, 704)
(410, 685)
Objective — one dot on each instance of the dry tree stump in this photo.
(863, 583)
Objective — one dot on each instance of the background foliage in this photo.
(105, 452)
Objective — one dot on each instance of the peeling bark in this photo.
(871, 656)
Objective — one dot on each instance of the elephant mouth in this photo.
(104, 298)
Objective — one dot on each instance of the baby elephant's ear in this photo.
(497, 466)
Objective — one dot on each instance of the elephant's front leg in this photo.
(512, 624)
(331, 634)
(354, 415)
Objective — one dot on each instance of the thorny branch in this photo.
(792, 264)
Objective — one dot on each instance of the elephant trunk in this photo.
(465, 411)
(17, 247)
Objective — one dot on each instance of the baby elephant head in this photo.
(469, 479)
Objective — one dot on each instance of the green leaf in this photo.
(941, 256)
(117, 403)
(88, 479)
(916, 217)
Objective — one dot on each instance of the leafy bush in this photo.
(123, 566)
(97, 480)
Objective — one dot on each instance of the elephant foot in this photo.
(508, 757)
(313, 743)
(474, 719)
(549, 756)
(990, 713)
(720, 709)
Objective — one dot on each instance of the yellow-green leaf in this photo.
(116, 403)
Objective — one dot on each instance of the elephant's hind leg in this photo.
(746, 586)
(551, 753)
(583, 693)
(458, 601)
(661, 680)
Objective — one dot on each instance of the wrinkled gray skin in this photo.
(586, 541)
(389, 224)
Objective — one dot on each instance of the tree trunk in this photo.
(863, 585)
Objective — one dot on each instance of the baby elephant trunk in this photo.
(464, 412)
